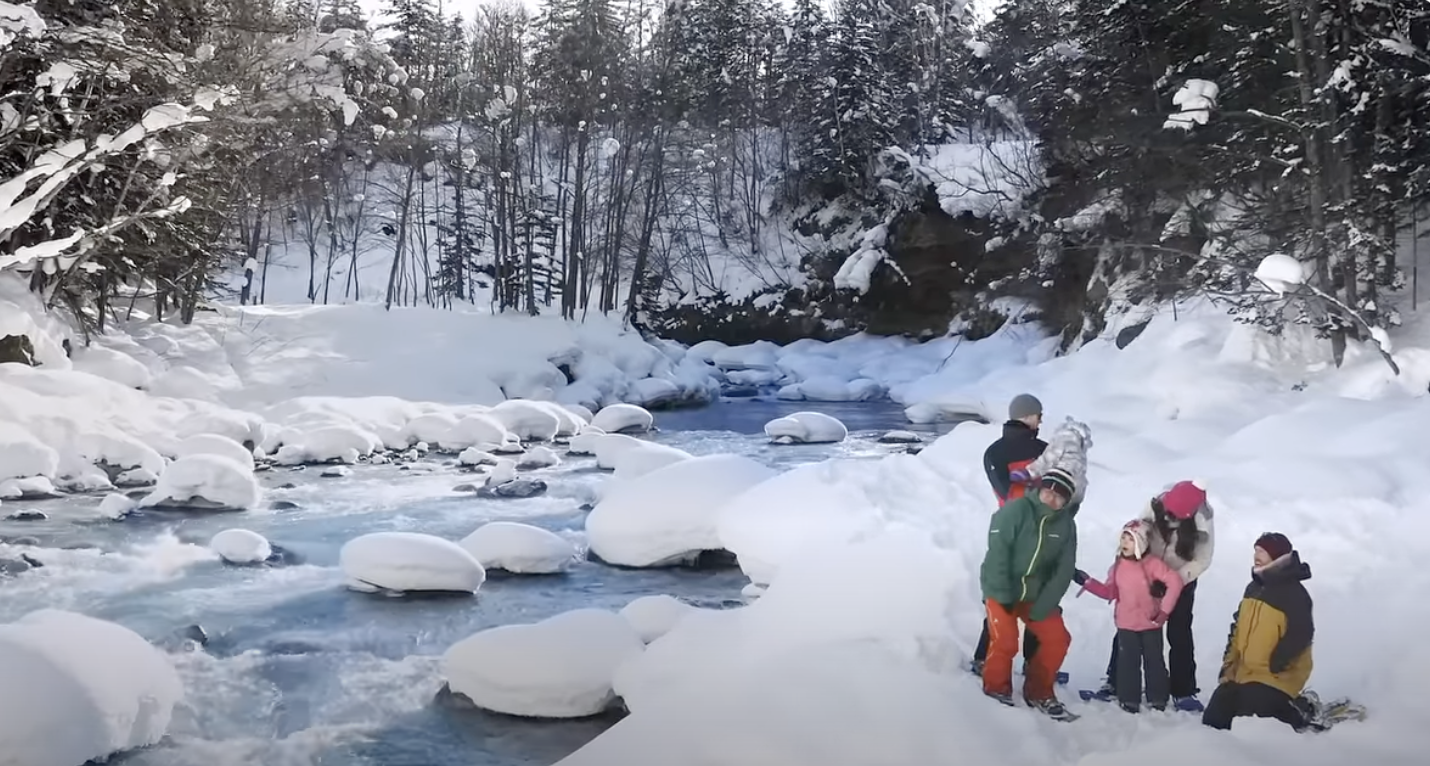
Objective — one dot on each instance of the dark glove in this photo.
(1079, 577)
(1159, 589)
(1019, 476)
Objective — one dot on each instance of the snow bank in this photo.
(204, 480)
(519, 548)
(557, 668)
(854, 653)
(241, 546)
(654, 616)
(806, 428)
(409, 561)
(79, 689)
(671, 512)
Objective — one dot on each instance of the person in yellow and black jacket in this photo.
(1268, 653)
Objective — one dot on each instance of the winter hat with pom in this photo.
(1138, 530)
(1061, 482)
(1183, 499)
(1275, 544)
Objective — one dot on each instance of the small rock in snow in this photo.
(336, 472)
(27, 516)
(806, 428)
(514, 489)
(465, 488)
(409, 561)
(283, 505)
(900, 437)
(474, 456)
(538, 457)
(137, 477)
(503, 472)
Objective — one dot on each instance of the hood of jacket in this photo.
(1288, 568)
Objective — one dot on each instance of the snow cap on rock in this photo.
(1183, 499)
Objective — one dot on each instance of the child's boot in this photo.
(1188, 704)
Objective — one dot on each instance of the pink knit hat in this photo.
(1183, 499)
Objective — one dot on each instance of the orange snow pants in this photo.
(1042, 669)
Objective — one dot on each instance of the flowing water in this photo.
(298, 670)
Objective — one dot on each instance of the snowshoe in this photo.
(1103, 694)
(1323, 715)
(1188, 704)
(1053, 709)
(1063, 678)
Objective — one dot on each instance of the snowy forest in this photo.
(809, 169)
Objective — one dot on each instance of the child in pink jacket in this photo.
(1144, 590)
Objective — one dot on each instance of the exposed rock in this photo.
(17, 349)
(516, 488)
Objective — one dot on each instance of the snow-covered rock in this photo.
(669, 513)
(409, 561)
(806, 428)
(623, 418)
(538, 457)
(900, 437)
(571, 421)
(30, 488)
(633, 461)
(79, 689)
(241, 546)
(473, 456)
(216, 444)
(530, 421)
(116, 505)
(579, 411)
(346, 443)
(21, 454)
(503, 471)
(519, 548)
(561, 667)
(336, 472)
(654, 616)
(585, 442)
(609, 448)
(205, 480)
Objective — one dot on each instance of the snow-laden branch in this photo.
(1284, 275)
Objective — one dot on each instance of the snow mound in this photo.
(216, 444)
(654, 616)
(671, 512)
(610, 449)
(409, 561)
(557, 668)
(623, 418)
(530, 421)
(205, 480)
(806, 428)
(240, 546)
(112, 365)
(519, 548)
(116, 506)
(79, 689)
(826, 388)
(538, 457)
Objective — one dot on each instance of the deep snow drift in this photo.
(855, 653)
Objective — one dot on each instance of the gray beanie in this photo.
(1024, 406)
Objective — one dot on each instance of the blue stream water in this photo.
(301, 671)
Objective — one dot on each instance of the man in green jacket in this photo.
(1032, 555)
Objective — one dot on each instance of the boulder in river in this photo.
(516, 488)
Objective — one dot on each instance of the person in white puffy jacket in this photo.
(1182, 536)
(1067, 451)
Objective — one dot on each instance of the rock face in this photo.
(17, 349)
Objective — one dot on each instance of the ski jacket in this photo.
(1015, 450)
(1270, 638)
(1129, 587)
(1032, 555)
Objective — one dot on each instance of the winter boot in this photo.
(1105, 693)
(976, 668)
(1053, 709)
(1188, 704)
(1005, 698)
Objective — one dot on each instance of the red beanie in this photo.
(1183, 499)
(1275, 544)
